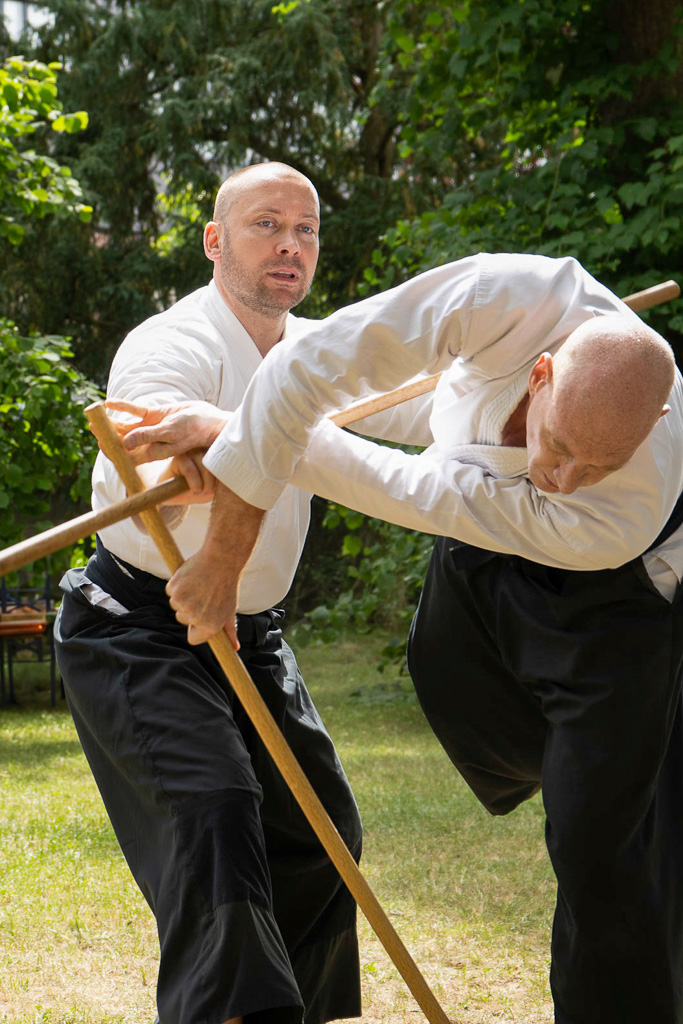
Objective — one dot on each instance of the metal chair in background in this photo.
(26, 622)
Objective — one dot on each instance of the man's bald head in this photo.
(616, 374)
(595, 402)
(255, 176)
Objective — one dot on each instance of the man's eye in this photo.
(306, 229)
(266, 223)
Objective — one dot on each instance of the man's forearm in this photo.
(204, 590)
(233, 529)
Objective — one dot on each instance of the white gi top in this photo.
(198, 349)
(483, 321)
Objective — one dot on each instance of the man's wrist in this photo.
(233, 518)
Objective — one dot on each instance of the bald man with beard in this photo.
(254, 922)
(547, 649)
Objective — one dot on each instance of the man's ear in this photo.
(212, 241)
(541, 373)
(665, 410)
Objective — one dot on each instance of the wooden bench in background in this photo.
(26, 620)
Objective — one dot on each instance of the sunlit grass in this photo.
(471, 896)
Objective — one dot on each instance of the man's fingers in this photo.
(149, 434)
(197, 595)
(155, 452)
(143, 412)
(140, 456)
(200, 634)
(182, 616)
(231, 631)
(120, 405)
(188, 468)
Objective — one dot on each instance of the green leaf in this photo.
(646, 129)
(633, 194)
(12, 231)
(320, 615)
(77, 122)
(286, 8)
(404, 41)
(11, 96)
(351, 544)
(354, 520)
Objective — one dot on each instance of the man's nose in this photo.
(568, 477)
(287, 242)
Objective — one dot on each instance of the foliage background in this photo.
(45, 449)
(430, 130)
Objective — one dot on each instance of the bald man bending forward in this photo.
(547, 650)
(253, 919)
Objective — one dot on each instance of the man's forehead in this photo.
(588, 436)
(276, 194)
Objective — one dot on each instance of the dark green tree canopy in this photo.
(443, 128)
(178, 95)
(574, 115)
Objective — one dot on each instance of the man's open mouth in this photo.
(284, 274)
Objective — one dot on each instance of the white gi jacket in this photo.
(199, 350)
(482, 321)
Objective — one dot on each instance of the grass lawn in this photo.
(471, 896)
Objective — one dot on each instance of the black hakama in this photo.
(253, 919)
(567, 681)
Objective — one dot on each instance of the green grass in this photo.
(471, 896)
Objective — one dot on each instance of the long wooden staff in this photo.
(274, 741)
(58, 537)
(68, 533)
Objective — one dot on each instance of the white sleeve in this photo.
(373, 346)
(596, 527)
(164, 366)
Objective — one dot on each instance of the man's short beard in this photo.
(250, 290)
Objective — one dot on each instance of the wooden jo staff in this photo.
(58, 537)
(274, 741)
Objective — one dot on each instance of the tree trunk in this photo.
(644, 27)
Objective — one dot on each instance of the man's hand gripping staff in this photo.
(203, 592)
